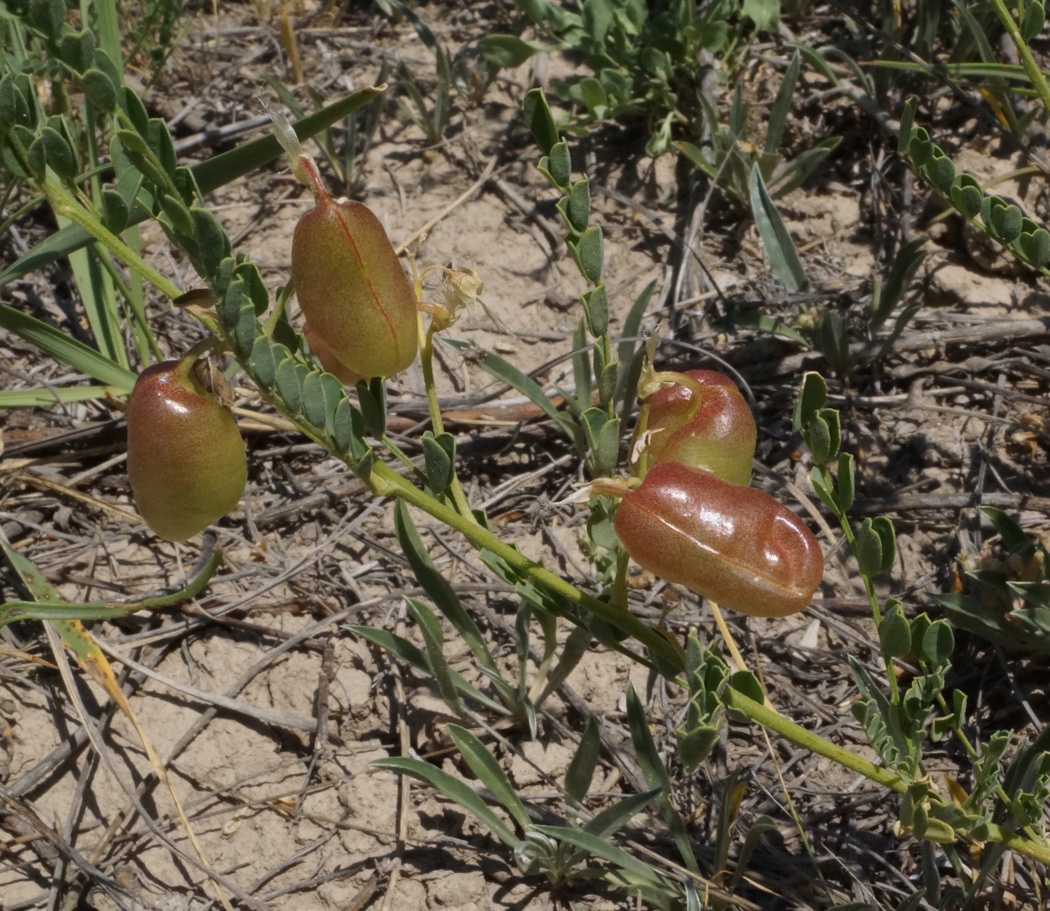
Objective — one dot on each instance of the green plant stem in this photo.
(873, 600)
(65, 204)
(426, 360)
(278, 309)
(138, 315)
(770, 718)
(400, 455)
(384, 481)
(61, 610)
(1031, 69)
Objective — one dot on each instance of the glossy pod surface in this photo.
(352, 289)
(186, 459)
(709, 427)
(735, 545)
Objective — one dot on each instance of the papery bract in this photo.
(702, 421)
(351, 287)
(735, 545)
(186, 459)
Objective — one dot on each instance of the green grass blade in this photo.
(780, 249)
(753, 318)
(905, 264)
(955, 71)
(397, 645)
(977, 32)
(792, 173)
(145, 343)
(656, 776)
(600, 848)
(580, 773)
(816, 60)
(693, 902)
(620, 813)
(54, 610)
(754, 834)
(406, 651)
(66, 350)
(93, 282)
(434, 641)
(97, 295)
(513, 377)
(438, 588)
(576, 646)
(43, 397)
(34, 581)
(453, 789)
(629, 355)
(107, 24)
(223, 169)
(778, 113)
(44, 595)
(483, 764)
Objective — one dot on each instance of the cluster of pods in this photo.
(693, 520)
(186, 460)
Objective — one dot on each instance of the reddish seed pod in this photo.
(702, 421)
(331, 364)
(186, 459)
(351, 286)
(735, 545)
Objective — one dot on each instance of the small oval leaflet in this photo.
(313, 405)
(288, 384)
(264, 362)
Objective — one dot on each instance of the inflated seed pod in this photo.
(701, 420)
(186, 459)
(337, 368)
(735, 545)
(351, 287)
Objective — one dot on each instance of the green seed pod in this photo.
(701, 420)
(735, 545)
(186, 459)
(351, 287)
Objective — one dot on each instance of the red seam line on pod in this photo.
(704, 547)
(368, 280)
